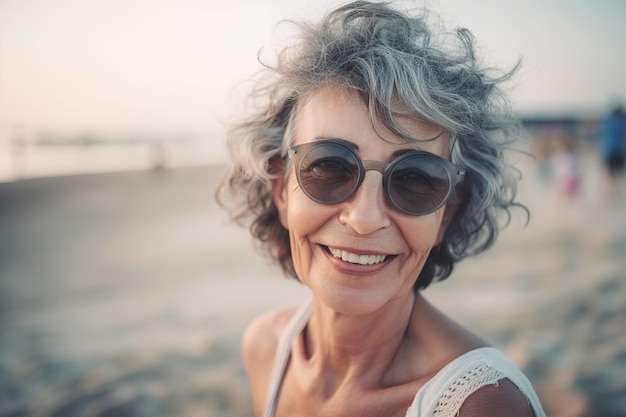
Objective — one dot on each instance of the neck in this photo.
(359, 347)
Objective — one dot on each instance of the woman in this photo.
(374, 165)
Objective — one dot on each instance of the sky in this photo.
(183, 65)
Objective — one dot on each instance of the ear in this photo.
(449, 212)
(279, 196)
(448, 215)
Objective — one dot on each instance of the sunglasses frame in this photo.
(298, 153)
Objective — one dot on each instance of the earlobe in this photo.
(279, 196)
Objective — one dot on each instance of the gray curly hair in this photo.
(391, 60)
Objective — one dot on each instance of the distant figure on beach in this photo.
(612, 140)
(374, 164)
(566, 165)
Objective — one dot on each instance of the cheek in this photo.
(412, 267)
(300, 209)
(423, 234)
(305, 218)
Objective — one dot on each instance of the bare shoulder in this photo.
(261, 336)
(258, 347)
(503, 399)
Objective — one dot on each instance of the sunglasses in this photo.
(415, 183)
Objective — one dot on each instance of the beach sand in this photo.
(126, 294)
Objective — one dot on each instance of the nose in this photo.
(366, 211)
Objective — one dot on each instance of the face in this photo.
(359, 254)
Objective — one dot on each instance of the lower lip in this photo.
(355, 269)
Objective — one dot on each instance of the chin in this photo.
(353, 302)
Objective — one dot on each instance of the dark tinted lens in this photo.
(329, 173)
(418, 184)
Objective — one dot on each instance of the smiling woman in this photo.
(374, 166)
(357, 216)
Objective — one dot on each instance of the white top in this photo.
(441, 396)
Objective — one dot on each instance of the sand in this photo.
(125, 294)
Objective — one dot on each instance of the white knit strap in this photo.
(451, 401)
(283, 352)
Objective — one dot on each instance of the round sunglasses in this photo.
(416, 182)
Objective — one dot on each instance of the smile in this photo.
(355, 258)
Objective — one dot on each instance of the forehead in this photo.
(338, 113)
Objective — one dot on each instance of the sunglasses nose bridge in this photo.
(370, 165)
(373, 165)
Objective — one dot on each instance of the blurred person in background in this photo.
(374, 164)
(566, 164)
(612, 142)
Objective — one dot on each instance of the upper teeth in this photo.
(357, 259)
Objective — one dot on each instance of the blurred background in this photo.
(124, 289)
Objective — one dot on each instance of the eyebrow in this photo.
(354, 146)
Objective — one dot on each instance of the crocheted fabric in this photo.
(450, 402)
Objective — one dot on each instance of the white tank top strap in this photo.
(443, 395)
(293, 328)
